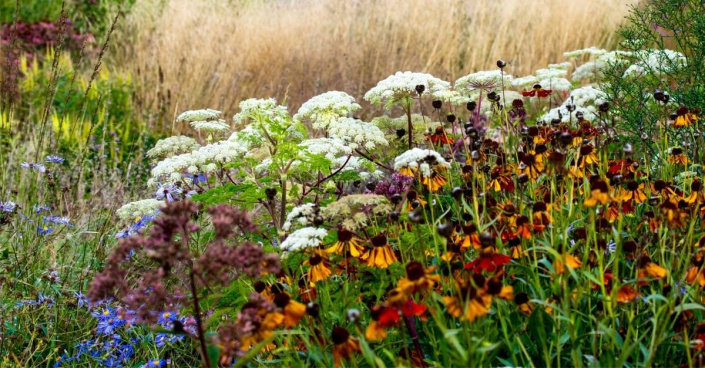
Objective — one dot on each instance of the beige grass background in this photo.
(213, 53)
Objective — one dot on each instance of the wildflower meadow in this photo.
(494, 203)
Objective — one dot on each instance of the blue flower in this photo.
(61, 360)
(105, 313)
(44, 230)
(8, 206)
(155, 363)
(39, 209)
(170, 192)
(166, 318)
(137, 226)
(198, 178)
(81, 299)
(57, 220)
(32, 166)
(55, 159)
(23, 303)
(41, 299)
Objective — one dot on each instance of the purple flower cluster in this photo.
(154, 272)
(396, 185)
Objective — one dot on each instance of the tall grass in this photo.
(217, 52)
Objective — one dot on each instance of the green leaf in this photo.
(688, 306)
(213, 354)
(244, 195)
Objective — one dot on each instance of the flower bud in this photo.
(353, 315)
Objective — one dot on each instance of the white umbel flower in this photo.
(357, 133)
(454, 97)
(211, 125)
(586, 100)
(414, 157)
(301, 215)
(173, 146)
(593, 69)
(402, 85)
(551, 73)
(526, 81)
(138, 209)
(331, 148)
(655, 62)
(588, 51)
(562, 66)
(198, 115)
(324, 108)
(257, 109)
(556, 84)
(308, 237)
(205, 159)
(484, 80)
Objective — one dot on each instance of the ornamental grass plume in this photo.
(162, 270)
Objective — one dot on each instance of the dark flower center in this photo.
(344, 235)
(340, 335)
(414, 271)
(379, 240)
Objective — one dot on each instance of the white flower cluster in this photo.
(526, 81)
(357, 133)
(454, 97)
(594, 51)
(487, 80)
(549, 73)
(593, 69)
(137, 209)
(211, 125)
(259, 109)
(324, 108)
(416, 156)
(173, 146)
(308, 237)
(560, 66)
(331, 148)
(356, 210)
(553, 74)
(207, 120)
(556, 84)
(302, 215)
(202, 160)
(199, 115)
(400, 85)
(655, 62)
(586, 100)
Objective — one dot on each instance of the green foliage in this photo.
(89, 16)
(243, 195)
(657, 26)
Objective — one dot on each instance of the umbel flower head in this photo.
(173, 146)
(206, 120)
(308, 237)
(484, 80)
(400, 86)
(326, 107)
